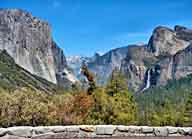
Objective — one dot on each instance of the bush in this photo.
(24, 107)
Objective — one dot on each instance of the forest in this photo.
(114, 103)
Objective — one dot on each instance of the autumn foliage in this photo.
(74, 109)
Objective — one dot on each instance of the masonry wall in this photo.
(90, 131)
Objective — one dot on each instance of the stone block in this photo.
(105, 129)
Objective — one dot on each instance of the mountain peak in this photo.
(165, 42)
(160, 29)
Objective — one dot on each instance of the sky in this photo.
(83, 27)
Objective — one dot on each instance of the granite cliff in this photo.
(28, 40)
(167, 57)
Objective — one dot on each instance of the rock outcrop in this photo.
(28, 40)
(165, 42)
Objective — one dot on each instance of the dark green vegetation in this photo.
(168, 105)
(23, 101)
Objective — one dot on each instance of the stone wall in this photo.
(89, 131)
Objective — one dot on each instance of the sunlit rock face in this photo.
(28, 40)
(133, 66)
(165, 42)
(167, 56)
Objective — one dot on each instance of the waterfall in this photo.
(80, 70)
(148, 83)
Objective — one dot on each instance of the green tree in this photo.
(117, 83)
(113, 104)
(188, 112)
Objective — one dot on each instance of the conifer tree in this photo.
(117, 83)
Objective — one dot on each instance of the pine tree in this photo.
(117, 83)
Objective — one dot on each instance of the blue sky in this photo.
(83, 27)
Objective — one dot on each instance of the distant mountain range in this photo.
(27, 39)
(167, 56)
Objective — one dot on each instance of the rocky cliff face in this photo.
(165, 42)
(176, 66)
(28, 40)
(135, 65)
(166, 57)
(102, 66)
